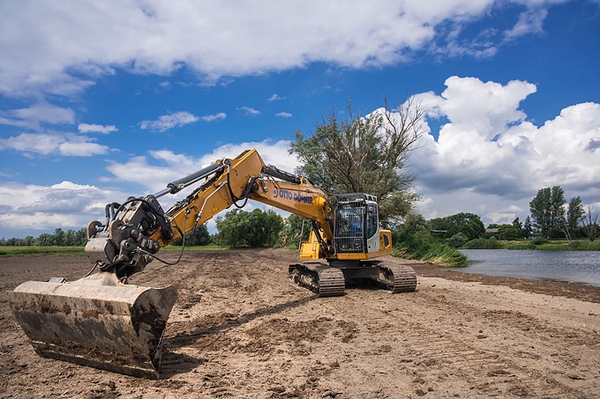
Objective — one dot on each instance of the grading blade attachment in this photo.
(96, 321)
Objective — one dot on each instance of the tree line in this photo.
(59, 238)
(551, 217)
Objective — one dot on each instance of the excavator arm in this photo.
(137, 229)
(247, 177)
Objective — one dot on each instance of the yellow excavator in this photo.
(102, 321)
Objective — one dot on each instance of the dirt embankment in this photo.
(241, 330)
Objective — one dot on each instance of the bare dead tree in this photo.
(589, 223)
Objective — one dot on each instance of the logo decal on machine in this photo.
(286, 194)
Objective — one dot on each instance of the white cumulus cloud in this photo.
(249, 110)
(93, 128)
(40, 113)
(214, 117)
(169, 121)
(490, 159)
(61, 47)
(275, 97)
(164, 166)
(66, 205)
(53, 144)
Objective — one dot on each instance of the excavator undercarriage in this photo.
(330, 279)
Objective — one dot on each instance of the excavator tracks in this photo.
(326, 280)
(397, 278)
(318, 277)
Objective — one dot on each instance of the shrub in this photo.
(249, 229)
(508, 232)
(458, 240)
(422, 246)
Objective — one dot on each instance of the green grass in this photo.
(187, 248)
(520, 245)
(585, 245)
(555, 245)
(38, 250)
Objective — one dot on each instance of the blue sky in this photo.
(103, 100)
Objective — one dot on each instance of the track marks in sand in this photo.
(446, 342)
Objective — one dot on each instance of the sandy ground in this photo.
(241, 330)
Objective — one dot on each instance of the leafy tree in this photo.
(197, 237)
(540, 211)
(518, 225)
(414, 223)
(231, 229)
(81, 236)
(467, 223)
(575, 212)
(295, 229)
(249, 229)
(527, 228)
(69, 238)
(366, 154)
(15, 242)
(547, 210)
(59, 237)
(508, 232)
(46, 239)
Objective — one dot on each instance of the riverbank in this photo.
(536, 244)
(580, 291)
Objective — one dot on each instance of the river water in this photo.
(575, 266)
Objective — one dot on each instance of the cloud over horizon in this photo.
(488, 148)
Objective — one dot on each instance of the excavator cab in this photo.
(356, 224)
